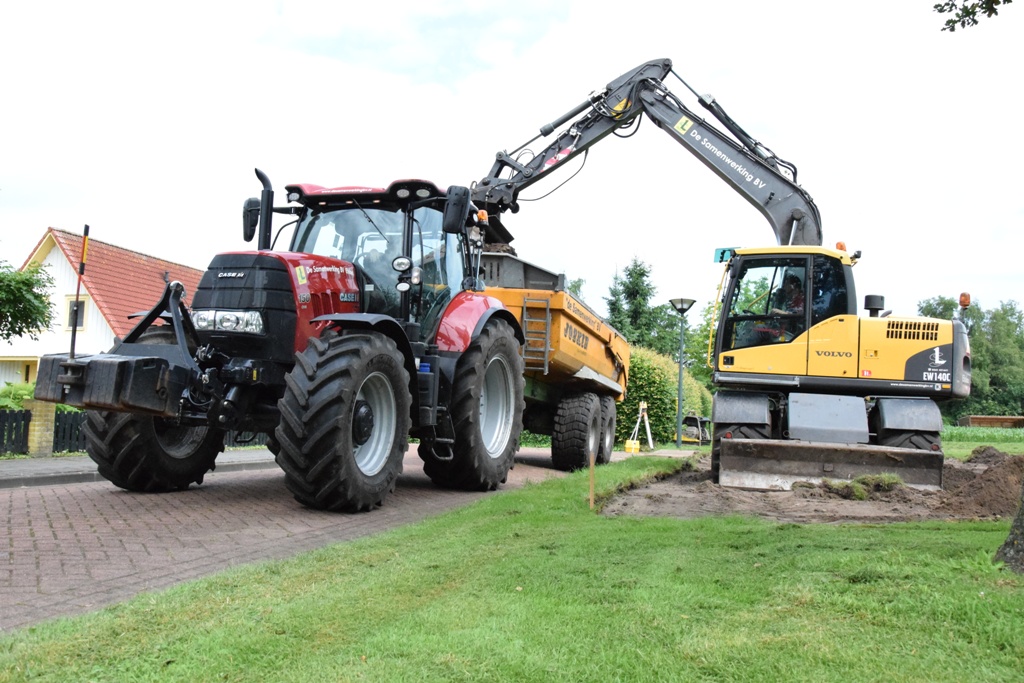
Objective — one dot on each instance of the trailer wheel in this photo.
(487, 414)
(577, 434)
(149, 454)
(344, 422)
(737, 432)
(604, 451)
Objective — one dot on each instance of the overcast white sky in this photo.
(146, 121)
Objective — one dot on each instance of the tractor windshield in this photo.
(372, 238)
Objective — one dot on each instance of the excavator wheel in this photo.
(149, 454)
(736, 432)
(899, 438)
(577, 434)
(345, 422)
(607, 445)
(487, 414)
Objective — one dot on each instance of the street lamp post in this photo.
(681, 306)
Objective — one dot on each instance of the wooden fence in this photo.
(14, 431)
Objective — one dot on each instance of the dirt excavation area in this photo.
(986, 487)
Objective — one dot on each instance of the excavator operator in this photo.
(792, 297)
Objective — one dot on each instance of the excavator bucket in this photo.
(776, 464)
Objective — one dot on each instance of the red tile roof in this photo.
(120, 281)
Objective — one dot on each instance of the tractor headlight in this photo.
(250, 322)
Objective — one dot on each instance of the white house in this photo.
(117, 283)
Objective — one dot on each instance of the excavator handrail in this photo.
(746, 165)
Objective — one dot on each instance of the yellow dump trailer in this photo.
(576, 364)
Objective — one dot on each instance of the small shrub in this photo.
(880, 483)
(12, 396)
(850, 490)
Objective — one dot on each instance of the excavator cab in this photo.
(774, 298)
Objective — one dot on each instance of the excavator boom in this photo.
(764, 180)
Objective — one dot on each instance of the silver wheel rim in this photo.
(372, 455)
(608, 437)
(594, 435)
(496, 403)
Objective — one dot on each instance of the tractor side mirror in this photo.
(250, 218)
(456, 209)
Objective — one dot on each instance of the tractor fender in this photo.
(465, 317)
(741, 407)
(384, 324)
(908, 414)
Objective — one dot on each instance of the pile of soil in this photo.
(986, 487)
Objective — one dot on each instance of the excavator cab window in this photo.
(828, 289)
(766, 302)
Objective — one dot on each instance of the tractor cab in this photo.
(406, 265)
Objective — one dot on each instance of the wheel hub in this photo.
(362, 423)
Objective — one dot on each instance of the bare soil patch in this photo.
(986, 487)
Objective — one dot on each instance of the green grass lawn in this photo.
(532, 585)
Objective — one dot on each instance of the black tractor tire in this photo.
(607, 444)
(149, 454)
(899, 438)
(345, 422)
(487, 414)
(746, 431)
(577, 434)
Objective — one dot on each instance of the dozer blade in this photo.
(776, 464)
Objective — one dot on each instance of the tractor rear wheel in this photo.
(731, 431)
(577, 434)
(487, 414)
(345, 422)
(149, 454)
(604, 451)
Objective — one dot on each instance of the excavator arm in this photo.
(767, 182)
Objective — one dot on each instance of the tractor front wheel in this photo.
(345, 422)
(149, 454)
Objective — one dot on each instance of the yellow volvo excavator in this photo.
(806, 388)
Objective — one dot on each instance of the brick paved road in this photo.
(76, 548)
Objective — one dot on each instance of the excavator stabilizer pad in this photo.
(769, 465)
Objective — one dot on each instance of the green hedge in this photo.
(12, 397)
(654, 378)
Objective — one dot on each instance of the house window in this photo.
(76, 318)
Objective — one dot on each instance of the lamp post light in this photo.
(681, 306)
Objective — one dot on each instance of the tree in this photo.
(997, 357)
(631, 313)
(1012, 551)
(965, 12)
(24, 305)
(696, 347)
(575, 286)
(997, 383)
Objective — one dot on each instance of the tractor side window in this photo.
(766, 302)
(438, 273)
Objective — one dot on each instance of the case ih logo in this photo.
(230, 274)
